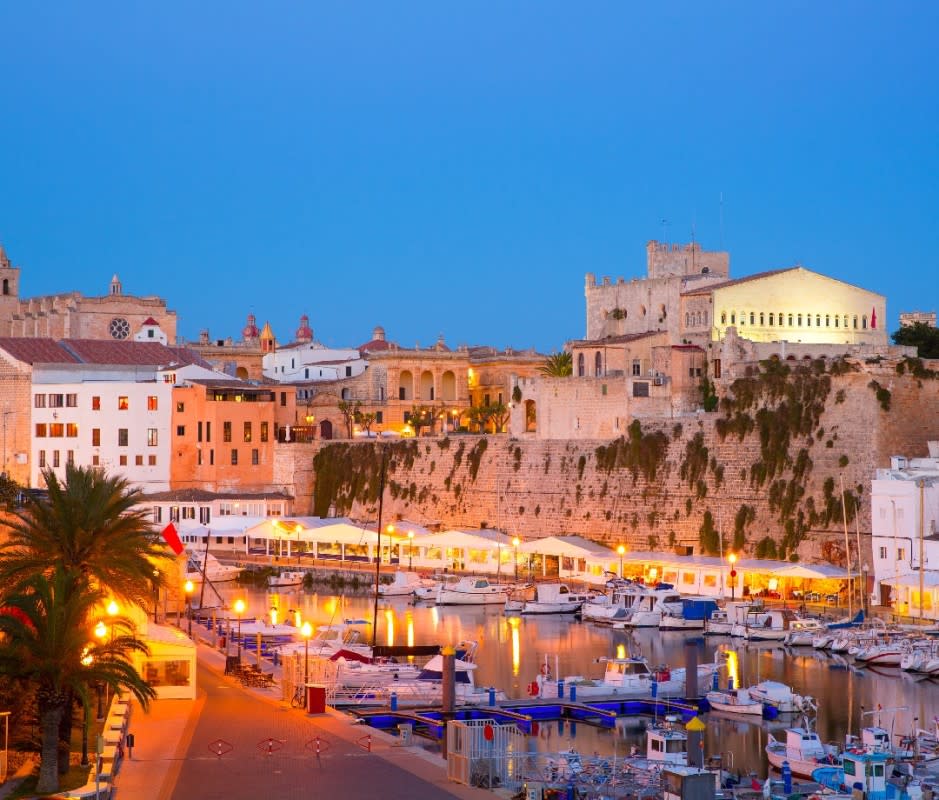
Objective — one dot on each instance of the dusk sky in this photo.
(457, 168)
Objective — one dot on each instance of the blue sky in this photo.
(456, 169)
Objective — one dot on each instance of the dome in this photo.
(250, 331)
(304, 332)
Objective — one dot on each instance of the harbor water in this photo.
(513, 649)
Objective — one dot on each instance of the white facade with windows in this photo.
(311, 361)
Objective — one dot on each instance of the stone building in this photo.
(910, 318)
(72, 315)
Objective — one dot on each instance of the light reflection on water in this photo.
(512, 649)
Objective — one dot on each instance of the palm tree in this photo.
(89, 525)
(558, 365)
(47, 641)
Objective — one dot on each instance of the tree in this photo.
(90, 525)
(47, 641)
(478, 417)
(923, 337)
(558, 365)
(499, 416)
(365, 420)
(349, 412)
(420, 417)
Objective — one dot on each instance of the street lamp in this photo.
(307, 631)
(156, 594)
(189, 587)
(515, 543)
(732, 559)
(86, 661)
(410, 549)
(622, 551)
(239, 610)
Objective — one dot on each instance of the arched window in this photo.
(580, 365)
(771, 318)
(846, 320)
(828, 320)
(837, 321)
(732, 317)
(598, 364)
(790, 320)
(6, 285)
(808, 320)
(799, 320)
(864, 322)
(762, 319)
(723, 317)
(818, 320)
(687, 320)
(752, 318)
(855, 322)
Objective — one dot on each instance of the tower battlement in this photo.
(664, 259)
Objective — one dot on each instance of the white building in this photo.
(904, 510)
(312, 361)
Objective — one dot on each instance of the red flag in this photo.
(873, 318)
(172, 538)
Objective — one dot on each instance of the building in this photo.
(72, 315)
(910, 318)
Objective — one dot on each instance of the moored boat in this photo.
(471, 591)
(554, 598)
(735, 702)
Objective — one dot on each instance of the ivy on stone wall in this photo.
(641, 453)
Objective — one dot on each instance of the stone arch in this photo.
(531, 416)
(406, 385)
(326, 429)
(448, 386)
(427, 385)
(806, 357)
(581, 369)
(598, 364)
(241, 373)
(347, 393)
(790, 357)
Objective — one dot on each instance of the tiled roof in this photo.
(151, 321)
(204, 496)
(755, 277)
(374, 345)
(31, 350)
(629, 337)
(104, 351)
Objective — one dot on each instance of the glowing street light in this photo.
(189, 587)
(622, 551)
(306, 631)
(239, 608)
(515, 543)
(732, 559)
(410, 549)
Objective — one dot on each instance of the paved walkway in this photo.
(272, 751)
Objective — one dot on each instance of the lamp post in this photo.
(156, 594)
(732, 559)
(239, 608)
(515, 543)
(307, 631)
(410, 549)
(189, 587)
(86, 661)
(622, 551)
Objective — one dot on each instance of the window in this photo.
(580, 365)
(637, 367)
(151, 402)
(56, 429)
(827, 320)
(198, 431)
(283, 398)
(733, 318)
(55, 458)
(95, 460)
(641, 389)
(199, 456)
(752, 318)
(598, 364)
(180, 430)
(247, 432)
(690, 372)
(151, 461)
(122, 403)
(56, 400)
(854, 322)
(208, 431)
(122, 437)
(96, 437)
(723, 317)
(138, 461)
(180, 407)
(901, 553)
(743, 318)
(71, 429)
(151, 437)
(762, 319)
(818, 320)
(122, 460)
(883, 553)
(226, 431)
(71, 400)
(174, 513)
(96, 403)
(255, 456)
(808, 320)
(771, 319)
(39, 401)
(864, 322)
(40, 430)
(211, 458)
(790, 320)
(157, 514)
(42, 459)
(348, 372)
(204, 515)
(264, 430)
(799, 320)
(378, 419)
(716, 365)
(837, 320)
(234, 457)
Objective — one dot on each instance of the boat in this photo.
(883, 654)
(405, 584)
(355, 670)
(802, 632)
(768, 625)
(718, 624)
(781, 697)
(286, 578)
(215, 570)
(802, 748)
(633, 677)
(554, 598)
(645, 606)
(862, 770)
(735, 702)
(471, 591)
(694, 613)
(666, 745)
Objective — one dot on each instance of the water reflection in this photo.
(512, 649)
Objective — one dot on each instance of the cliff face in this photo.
(766, 468)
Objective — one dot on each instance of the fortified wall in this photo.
(765, 468)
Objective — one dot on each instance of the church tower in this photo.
(304, 332)
(116, 289)
(9, 287)
(268, 343)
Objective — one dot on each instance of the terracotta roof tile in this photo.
(34, 350)
(103, 351)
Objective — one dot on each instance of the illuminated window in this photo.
(226, 431)
(122, 403)
(180, 408)
(264, 431)
(96, 460)
(122, 460)
(71, 429)
(95, 403)
(56, 429)
(151, 437)
(151, 402)
(151, 461)
(247, 431)
(40, 430)
(138, 461)
(96, 437)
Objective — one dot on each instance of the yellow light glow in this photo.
(239, 606)
(732, 558)
(329, 607)
(87, 658)
(773, 584)
(390, 529)
(653, 572)
(621, 549)
(411, 535)
(101, 630)
(434, 617)
(306, 629)
(621, 651)
(273, 615)
(112, 609)
(516, 541)
(189, 587)
(733, 667)
(390, 626)
(410, 632)
(516, 650)
(297, 619)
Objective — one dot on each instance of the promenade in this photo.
(267, 750)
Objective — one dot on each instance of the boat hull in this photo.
(448, 597)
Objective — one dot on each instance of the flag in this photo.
(172, 538)
(873, 318)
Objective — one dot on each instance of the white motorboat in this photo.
(666, 745)
(407, 584)
(769, 625)
(718, 624)
(215, 571)
(802, 632)
(735, 702)
(882, 654)
(553, 598)
(780, 696)
(823, 640)
(644, 606)
(627, 676)
(471, 591)
(356, 670)
(327, 640)
(286, 578)
(802, 748)
(693, 614)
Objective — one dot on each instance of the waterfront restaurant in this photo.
(482, 550)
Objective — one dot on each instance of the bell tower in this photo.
(9, 290)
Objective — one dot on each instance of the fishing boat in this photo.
(405, 584)
(286, 578)
(694, 613)
(471, 591)
(803, 749)
(718, 624)
(554, 598)
(735, 702)
(215, 570)
(645, 606)
(802, 632)
(781, 697)
(769, 625)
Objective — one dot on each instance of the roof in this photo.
(756, 276)
(105, 351)
(572, 546)
(629, 337)
(687, 347)
(151, 321)
(203, 496)
(374, 345)
(35, 350)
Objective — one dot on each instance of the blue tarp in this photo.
(698, 609)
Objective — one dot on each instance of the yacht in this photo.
(471, 591)
(628, 676)
(215, 570)
(286, 578)
(554, 598)
(644, 606)
(407, 584)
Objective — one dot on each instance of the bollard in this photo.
(573, 692)
(787, 777)
(394, 701)
(561, 688)
(715, 681)
(730, 684)
(655, 689)
(492, 695)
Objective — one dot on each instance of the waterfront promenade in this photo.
(272, 751)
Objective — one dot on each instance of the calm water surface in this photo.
(512, 649)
